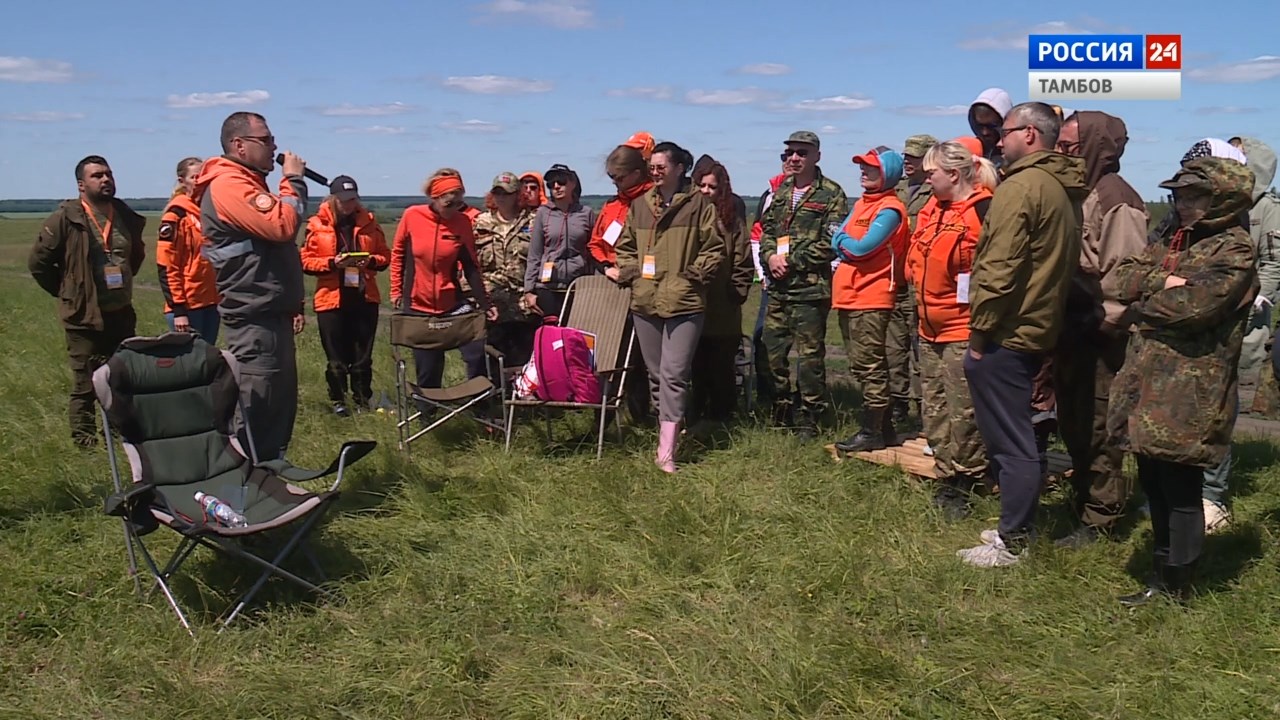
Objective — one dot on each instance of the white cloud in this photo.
(496, 84)
(1017, 40)
(742, 96)
(42, 116)
(216, 99)
(563, 14)
(932, 110)
(555, 131)
(31, 70)
(1263, 67)
(473, 126)
(371, 130)
(829, 130)
(835, 103)
(1227, 110)
(349, 110)
(764, 69)
(655, 92)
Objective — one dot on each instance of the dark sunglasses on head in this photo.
(798, 152)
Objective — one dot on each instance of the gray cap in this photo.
(807, 137)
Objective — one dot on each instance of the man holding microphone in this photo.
(251, 242)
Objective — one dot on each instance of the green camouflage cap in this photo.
(1230, 182)
(807, 137)
(506, 181)
(918, 145)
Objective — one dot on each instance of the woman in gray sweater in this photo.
(557, 243)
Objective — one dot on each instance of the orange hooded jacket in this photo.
(613, 211)
(187, 279)
(942, 250)
(542, 187)
(322, 246)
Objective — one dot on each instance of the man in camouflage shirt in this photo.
(795, 249)
(502, 250)
(900, 342)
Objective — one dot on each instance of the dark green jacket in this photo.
(731, 284)
(62, 265)
(809, 226)
(687, 249)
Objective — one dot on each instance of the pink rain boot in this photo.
(668, 433)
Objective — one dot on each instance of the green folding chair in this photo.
(172, 401)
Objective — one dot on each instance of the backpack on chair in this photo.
(564, 362)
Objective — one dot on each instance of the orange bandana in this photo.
(444, 185)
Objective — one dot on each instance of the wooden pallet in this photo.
(910, 457)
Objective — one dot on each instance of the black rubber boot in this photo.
(871, 436)
(889, 431)
(1164, 582)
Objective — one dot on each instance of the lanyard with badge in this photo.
(784, 242)
(112, 273)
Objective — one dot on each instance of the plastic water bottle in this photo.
(220, 512)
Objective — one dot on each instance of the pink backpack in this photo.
(564, 358)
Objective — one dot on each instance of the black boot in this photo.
(783, 414)
(871, 436)
(902, 418)
(889, 431)
(951, 499)
(1157, 586)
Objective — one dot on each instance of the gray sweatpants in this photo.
(265, 351)
(667, 345)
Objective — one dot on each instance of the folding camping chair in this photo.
(416, 331)
(597, 305)
(172, 400)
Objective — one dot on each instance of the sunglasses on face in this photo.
(558, 181)
(798, 152)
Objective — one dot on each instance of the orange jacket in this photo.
(187, 279)
(321, 248)
(871, 282)
(614, 210)
(941, 251)
(426, 254)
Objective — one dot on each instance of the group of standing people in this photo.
(973, 279)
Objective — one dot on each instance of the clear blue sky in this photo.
(387, 92)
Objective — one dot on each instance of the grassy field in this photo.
(763, 581)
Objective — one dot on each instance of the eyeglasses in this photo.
(1005, 132)
(264, 139)
(657, 168)
(798, 152)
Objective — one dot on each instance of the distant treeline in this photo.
(388, 208)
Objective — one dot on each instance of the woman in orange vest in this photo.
(345, 250)
(871, 247)
(938, 264)
(432, 242)
(187, 279)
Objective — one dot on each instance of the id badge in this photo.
(114, 276)
(547, 267)
(351, 277)
(649, 269)
(784, 245)
(962, 289)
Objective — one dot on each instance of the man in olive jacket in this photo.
(1027, 253)
(86, 256)
(795, 249)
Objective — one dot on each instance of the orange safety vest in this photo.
(871, 282)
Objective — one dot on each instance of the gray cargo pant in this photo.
(264, 348)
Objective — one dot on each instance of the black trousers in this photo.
(715, 390)
(347, 335)
(1177, 513)
(550, 301)
(430, 364)
(514, 340)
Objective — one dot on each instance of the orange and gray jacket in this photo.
(250, 239)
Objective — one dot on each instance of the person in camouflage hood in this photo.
(1173, 402)
(502, 250)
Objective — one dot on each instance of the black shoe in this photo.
(902, 417)
(870, 437)
(1081, 537)
(953, 503)
(888, 431)
(340, 409)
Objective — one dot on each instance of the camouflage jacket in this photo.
(502, 249)
(808, 227)
(915, 202)
(1175, 397)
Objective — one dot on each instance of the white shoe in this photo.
(990, 555)
(928, 449)
(1216, 517)
(989, 537)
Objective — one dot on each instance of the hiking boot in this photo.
(953, 503)
(340, 409)
(1167, 581)
(870, 437)
(1081, 537)
(902, 417)
(888, 431)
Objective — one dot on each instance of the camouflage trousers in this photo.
(802, 323)
(900, 344)
(864, 334)
(947, 408)
(1083, 371)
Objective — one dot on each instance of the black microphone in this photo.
(311, 175)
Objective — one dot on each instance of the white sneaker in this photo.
(928, 449)
(1216, 517)
(990, 556)
(989, 537)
